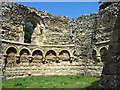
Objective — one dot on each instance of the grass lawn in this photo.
(53, 82)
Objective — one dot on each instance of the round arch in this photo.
(103, 50)
(69, 51)
(64, 55)
(26, 50)
(37, 49)
(64, 51)
(103, 47)
(10, 46)
(50, 52)
(36, 23)
(38, 52)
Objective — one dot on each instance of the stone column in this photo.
(71, 59)
(57, 59)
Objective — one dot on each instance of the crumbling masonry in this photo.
(59, 46)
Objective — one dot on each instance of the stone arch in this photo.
(11, 56)
(37, 51)
(51, 52)
(103, 52)
(64, 55)
(11, 46)
(37, 56)
(26, 50)
(11, 49)
(51, 55)
(37, 33)
(32, 18)
(24, 56)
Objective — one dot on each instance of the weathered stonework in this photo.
(59, 46)
(110, 77)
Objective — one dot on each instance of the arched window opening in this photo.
(28, 30)
(64, 55)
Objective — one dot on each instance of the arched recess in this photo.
(50, 55)
(64, 55)
(8, 47)
(24, 51)
(11, 50)
(37, 52)
(103, 52)
(24, 55)
(37, 56)
(11, 56)
(37, 32)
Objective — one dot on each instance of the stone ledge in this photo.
(103, 42)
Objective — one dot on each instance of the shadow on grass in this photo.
(94, 86)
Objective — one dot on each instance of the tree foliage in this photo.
(28, 30)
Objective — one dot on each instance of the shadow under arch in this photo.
(11, 56)
(11, 49)
(8, 48)
(25, 50)
(50, 56)
(50, 52)
(37, 52)
(64, 55)
(103, 53)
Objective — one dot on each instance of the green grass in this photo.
(53, 82)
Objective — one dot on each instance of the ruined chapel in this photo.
(57, 45)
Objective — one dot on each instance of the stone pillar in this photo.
(57, 59)
(71, 59)
(110, 77)
(21, 33)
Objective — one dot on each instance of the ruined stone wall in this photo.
(90, 29)
(110, 77)
(56, 30)
(16, 15)
(79, 37)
